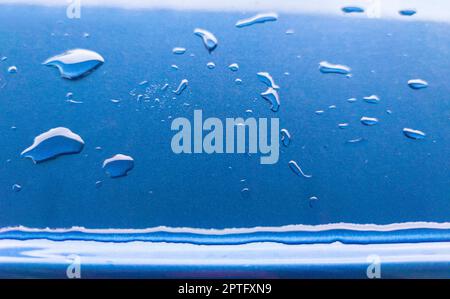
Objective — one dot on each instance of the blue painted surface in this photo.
(385, 178)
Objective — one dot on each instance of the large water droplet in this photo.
(417, 83)
(373, 99)
(209, 40)
(271, 95)
(267, 79)
(181, 87)
(76, 63)
(297, 170)
(369, 121)
(234, 67)
(326, 67)
(118, 165)
(178, 50)
(53, 143)
(352, 9)
(407, 12)
(413, 134)
(259, 18)
(285, 137)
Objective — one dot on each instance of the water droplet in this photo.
(234, 67)
(285, 137)
(69, 95)
(407, 12)
(4, 58)
(209, 40)
(351, 100)
(290, 31)
(245, 192)
(115, 100)
(12, 69)
(413, 134)
(417, 83)
(369, 121)
(373, 99)
(98, 184)
(258, 19)
(178, 50)
(16, 188)
(165, 86)
(332, 107)
(118, 165)
(343, 125)
(355, 140)
(76, 63)
(352, 9)
(271, 95)
(181, 87)
(53, 143)
(267, 79)
(211, 65)
(174, 67)
(297, 170)
(326, 67)
(238, 81)
(319, 112)
(86, 35)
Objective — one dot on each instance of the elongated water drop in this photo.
(178, 50)
(211, 65)
(267, 79)
(234, 67)
(118, 165)
(257, 19)
(413, 134)
(181, 87)
(407, 12)
(271, 95)
(373, 99)
(352, 9)
(326, 67)
(285, 137)
(297, 170)
(209, 40)
(369, 121)
(417, 83)
(75, 63)
(53, 143)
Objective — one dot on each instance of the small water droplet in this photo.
(343, 125)
(69, 95)
(267, 79)
(245, 193)
(174, 67)
(238, 81)
(407, 12)
(4, 58)
(86, 35)
(285, 137)
(373, 99)
(118, 166)
(257, 19)
(271, 95)
(326, 67)
(417, 83)
(209, 40)
(211, 65)
(290, 31)
(297, 170)
(179, 50)
(165, 86)
(352, 9)
(181, 87)
(16, 188)
(413, 134)
(355, 140)
(76, 63)
(234, 67)
(53, 143)
(98, 184)
(369, 121)
(319, 112)
(12, 69)
(351, 100)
